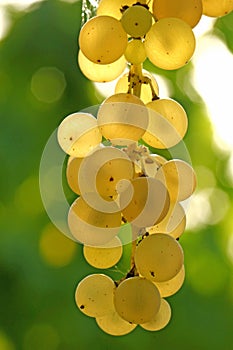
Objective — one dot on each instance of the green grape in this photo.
(92, 227)
(94, 295)
(136, 21)
(135, 52)
(159, 257)
(146, 92)
(137, 300)
(101, 72)
(144, 202)
(216, 8)
(161, 319)
(170, 43)
(189, 11)
(104, 256)
(179, 179)
(78, 134)
(72, 170)
(168, 123)
(101, 171)
(174, 222)
(113, 324)
(113, 8)
(102, 39)
(122, 118)
(172, 286)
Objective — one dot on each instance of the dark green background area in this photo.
(37, 309)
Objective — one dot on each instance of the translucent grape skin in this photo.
(159, 257)
(94, 295)
(136, 300)
(216, 8)
(136, 21)
(102, 39)
(161, 319)
(113, 324)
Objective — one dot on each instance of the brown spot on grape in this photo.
(98, 61)
(111, 179)
(152, 273)
(82, 307)
(71, 138)
(136, 23)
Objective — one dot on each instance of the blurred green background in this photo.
(40, 83)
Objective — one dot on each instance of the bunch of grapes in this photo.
(116, 178)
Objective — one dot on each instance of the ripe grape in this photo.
(101, 72)
(113, 324)
(102, 39)
(189, 11)
(179, 179)
(171, 286)
(161, 319)
(136, 21)
(135, 52)
(72, 170)
(104, 256)
(137, 300)
(78, 134)
(122, 118)
(112, 8)
(170, 43)
(216, 8)
(168, 123)
(94, 295)
(159, 257)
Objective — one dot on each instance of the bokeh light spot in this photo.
(5, 342)
(48, 84)
(56, 249)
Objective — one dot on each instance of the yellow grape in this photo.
(159, 257)
(101, 171)
(179, 179)
(170, 43)
(174, 222)
(171, 286)
(168, 123)
(113, 324)
(92, 227)
(104, 256)
(122, 118)
(94, 295)
(135, 52)
(217, 8)
(136, 21)
(78, 134)
(189, 11)
(113, 8)
(144, 202)
(72, 170)
(102, 39)
(146, 93)
(101, 72)
(161, 319)
(137, 300)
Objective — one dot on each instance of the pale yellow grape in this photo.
(161, 319)
(101, 72)
(92, 227)
(136, 21)
(122, 118)
(101, 171)
(135, 52)
(102, 39)
(159, 257)
(104, 256)
(217, 8)
(113, 7)
(137, 300)
(122, 85)
(72, 170)
(94, 295)
(78, 134)
(170, 43)
(179, 179)
(174, 222)
(113, 324)
(149, 203)
(189, 11)
(171, 286)
(168, 123)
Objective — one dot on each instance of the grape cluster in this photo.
(116, 178)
